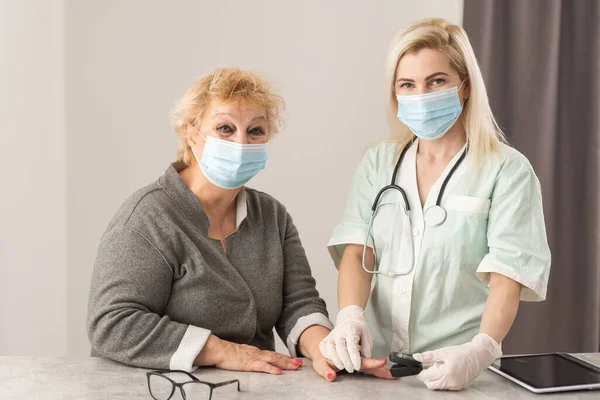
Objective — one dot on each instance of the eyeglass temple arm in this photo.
(227, 383)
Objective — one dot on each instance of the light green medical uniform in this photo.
(494, 223)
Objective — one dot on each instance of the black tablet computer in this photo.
(546, 373)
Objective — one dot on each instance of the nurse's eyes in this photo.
(436, 82)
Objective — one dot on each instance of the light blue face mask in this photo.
(231, 165)
(429, 116)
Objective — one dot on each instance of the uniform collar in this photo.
(407, 179)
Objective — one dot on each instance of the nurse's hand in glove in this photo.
(454, 367)
(342, 348)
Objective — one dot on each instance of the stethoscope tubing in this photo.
(393, 185)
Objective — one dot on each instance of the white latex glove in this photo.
(454, 367)
(341, 345)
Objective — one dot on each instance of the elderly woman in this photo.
(195, 269)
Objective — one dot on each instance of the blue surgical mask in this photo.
(429, 116)
(231, 165)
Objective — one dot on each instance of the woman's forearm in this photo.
(501, 307)
(308, 343)
(211, 353)
(354, 284)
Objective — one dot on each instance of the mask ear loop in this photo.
(202, 136)
(192, 148)
(458, 89)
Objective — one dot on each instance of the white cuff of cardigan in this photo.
(190, 346)
(301, 325)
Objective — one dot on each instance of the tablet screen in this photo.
(548, 370)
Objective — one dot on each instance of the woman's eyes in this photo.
(406, 85)
(227, 130)
(224, 129)
(257, 131)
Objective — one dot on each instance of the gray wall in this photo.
(33, 215)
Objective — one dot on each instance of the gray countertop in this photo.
(51, 378)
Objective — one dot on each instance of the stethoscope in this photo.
(434, 215)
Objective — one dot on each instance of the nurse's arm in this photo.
(501, 307)
(354, 283)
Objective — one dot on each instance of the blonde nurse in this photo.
(443, 233)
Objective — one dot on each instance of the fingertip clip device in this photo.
(404, 365)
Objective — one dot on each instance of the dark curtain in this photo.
(541, 63)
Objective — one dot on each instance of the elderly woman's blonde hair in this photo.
(484, 136)
(244, 88)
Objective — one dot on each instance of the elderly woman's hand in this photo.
(241, 357)
(370, 366)
(309, 346)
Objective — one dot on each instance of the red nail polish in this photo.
(291, 357)
(279, 370)
(383, 359)
(330, 375)
(297, 362)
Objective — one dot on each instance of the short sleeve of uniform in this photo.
(353, 228)
(518, 247)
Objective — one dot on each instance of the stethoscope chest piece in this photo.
(435, 215)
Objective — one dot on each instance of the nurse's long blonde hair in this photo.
(484, 136)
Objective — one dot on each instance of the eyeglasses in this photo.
(162, 387)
